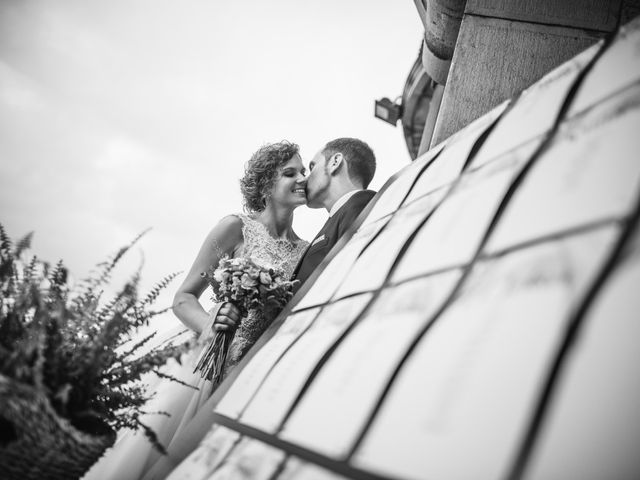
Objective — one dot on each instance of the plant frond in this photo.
(104, 269)
(65, 341)
(158, 288)
(5, 241)
(174, 379)
(152, 437)
(137, 346)
(23, 244)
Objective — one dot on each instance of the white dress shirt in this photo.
(341, 201)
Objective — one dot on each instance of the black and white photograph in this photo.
(290, 240)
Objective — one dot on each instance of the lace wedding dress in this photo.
(133, 455)
(268, 252)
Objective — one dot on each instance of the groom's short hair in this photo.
(361, 161)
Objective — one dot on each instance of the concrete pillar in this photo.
(503, 46)
(442, 22)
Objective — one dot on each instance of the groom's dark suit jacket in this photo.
(329, 234)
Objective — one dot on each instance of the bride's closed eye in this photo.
(289, 172)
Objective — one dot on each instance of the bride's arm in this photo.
(222, 239)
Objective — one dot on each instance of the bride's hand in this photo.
(227, 319)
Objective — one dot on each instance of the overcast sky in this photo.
(120, 115)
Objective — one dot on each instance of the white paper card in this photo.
(587, 176)
(208, 455)
(447, 167)
(616, 69)
(249, 379)
(291, 467)
(250, 460)
(283, 384)
(372, 268)
(309, 471)
(389, 200)
(592, 427)
(338, 403)
(465, 392)
(534, 112)
(333, 274)
(453, 234)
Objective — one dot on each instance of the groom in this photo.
(338, 177)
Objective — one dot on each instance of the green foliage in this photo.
(73, 346)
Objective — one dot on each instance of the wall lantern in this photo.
(388, 111)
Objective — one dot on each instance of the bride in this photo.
(273, 186)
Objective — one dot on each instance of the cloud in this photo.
(17, 91)
(118, 115)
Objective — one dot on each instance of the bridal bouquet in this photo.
(249, 287)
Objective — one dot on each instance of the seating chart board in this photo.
(346, 390)
(446, 167)
(481, 322)
(394, 194)
(252, 376)
(603, 371)
(476, 370)
(575, 184)
(279, 390)
(614, 72)
(534, 112)
(333, 275)
(373, 266)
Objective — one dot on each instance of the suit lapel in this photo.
(314, 241)
(326, 227)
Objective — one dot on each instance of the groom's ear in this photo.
(334, 163)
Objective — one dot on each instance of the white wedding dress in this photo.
(132, 455)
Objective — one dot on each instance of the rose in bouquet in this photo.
(249, 287)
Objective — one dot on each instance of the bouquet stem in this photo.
(214, 357)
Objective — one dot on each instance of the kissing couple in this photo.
(274, 184)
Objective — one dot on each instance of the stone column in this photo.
(503, 46)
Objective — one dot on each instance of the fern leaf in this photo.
(174, 379)
(5, 241)
(157, 288)
(23, 244)
(137, 346)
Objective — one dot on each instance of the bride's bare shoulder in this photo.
(226, 234)
(233, 221)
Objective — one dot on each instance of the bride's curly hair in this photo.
(260, 173)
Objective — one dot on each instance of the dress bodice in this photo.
(280, 254)
(277, 253)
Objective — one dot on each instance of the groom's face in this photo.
(318, 181)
